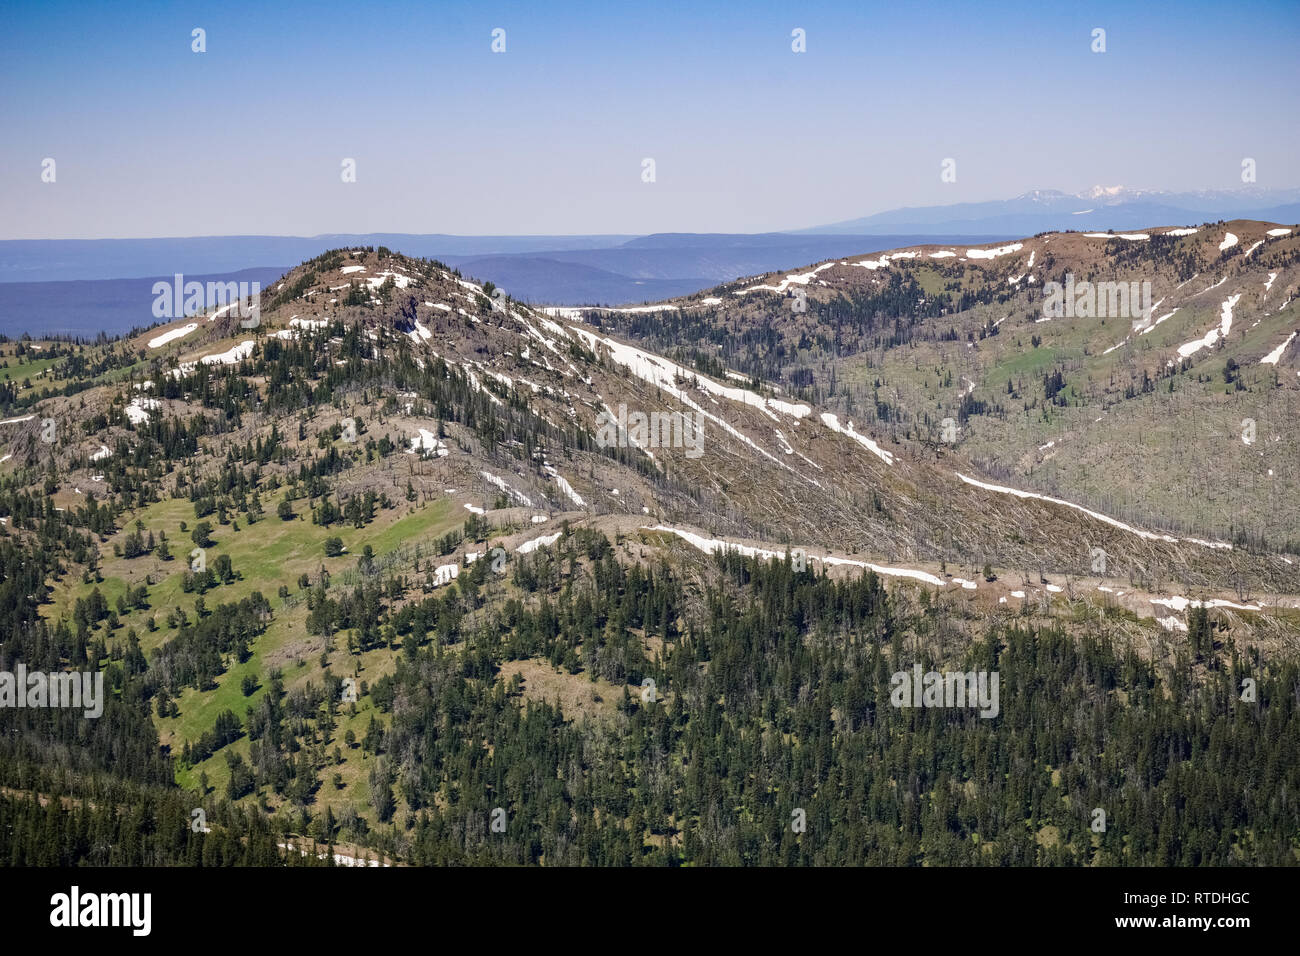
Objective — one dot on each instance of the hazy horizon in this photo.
(548, 137)
(616, 234)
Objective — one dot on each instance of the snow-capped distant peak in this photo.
(1102, 192)
(1043, 195)
(1112, 194)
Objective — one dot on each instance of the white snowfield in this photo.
(545, 541)
(232, 356)
(474, 509)
(139, 409)
(158, 341)
(500, 483)
(565, 487)
(427, 443)
(995, 252)
(399, 280)
(299, 325)
(945, 254)
(221, 311)
(1279, 232)
(713, 545)
(101, 454)
(1133, 236)
(1269, 284)
(1182, 232)
(1272, 357)
(1182, 604)
(1212, 336)
(1150, 536)
(799, 278)
(644, 308)
(1229, 240)
(1246, 254)
(340, 859)
(833, 423)
(445, 574)
(15, 421)
(478, 386)
(349, 270)
(1167, 315)
(663, 374)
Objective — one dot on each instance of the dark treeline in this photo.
(777, 700)
(771, 696)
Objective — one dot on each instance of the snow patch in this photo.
(833, 423)
(712, 545)
(427, 443)
(500, 483)
(158, 341)
(995, 252)
(1272, 357)
(1150, 536)
(545, 541)
(1212, 336)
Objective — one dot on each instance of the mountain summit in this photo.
(1098, 208)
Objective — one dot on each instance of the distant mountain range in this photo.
(1096, 209)
(85, 286)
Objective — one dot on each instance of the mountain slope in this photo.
(365, 566)
(904, 340)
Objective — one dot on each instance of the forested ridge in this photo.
(772, 698)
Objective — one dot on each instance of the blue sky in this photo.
(151, 139)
